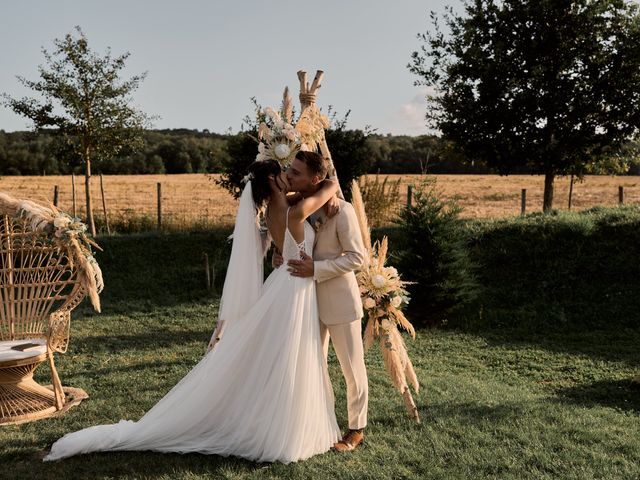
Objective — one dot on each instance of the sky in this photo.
(206, 59)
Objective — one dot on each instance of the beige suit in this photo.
(337, 252)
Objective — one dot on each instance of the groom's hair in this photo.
(315, 163)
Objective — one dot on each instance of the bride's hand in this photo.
(332, 207)
(276, 259)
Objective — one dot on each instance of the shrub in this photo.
(434, 253)
(566, 271)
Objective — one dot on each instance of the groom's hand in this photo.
(301, 268)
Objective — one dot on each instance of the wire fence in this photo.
(192, 201)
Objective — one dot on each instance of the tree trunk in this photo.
(87, 186)
(547, 204)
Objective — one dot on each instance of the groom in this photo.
(338, 251)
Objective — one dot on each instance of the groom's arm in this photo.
(350, 240)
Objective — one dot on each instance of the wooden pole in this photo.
(621, 195)
(409, 195)
(104, 206)
(523, 202)
(73, 193)
(55, 195)
(159, 206)
(570, 191)
(308, 99)
(207, 271)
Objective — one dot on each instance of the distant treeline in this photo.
(194, 151)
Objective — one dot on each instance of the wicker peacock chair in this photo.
(42, 279)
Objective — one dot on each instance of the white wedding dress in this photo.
(263, 393)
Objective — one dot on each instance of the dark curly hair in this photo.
(260, 172)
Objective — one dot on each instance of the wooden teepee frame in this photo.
(307, 97)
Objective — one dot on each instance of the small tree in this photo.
(86, 101)
(433, 252)
(552, 85)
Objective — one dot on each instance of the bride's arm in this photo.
(294, 198)
(307, 206)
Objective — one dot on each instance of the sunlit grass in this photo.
(493, 404)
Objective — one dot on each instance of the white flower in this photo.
(396, 301)
(282, 151)
(392, 271)
(261, 147)
(273, 115)
(290, 133)
(61, 222)
(385, 324)
(247, 177)
(369, 303)
(378, 281)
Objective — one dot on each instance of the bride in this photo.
(263, 393)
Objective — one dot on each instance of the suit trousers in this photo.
(347, 343)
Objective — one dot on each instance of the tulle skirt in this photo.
(262, 394)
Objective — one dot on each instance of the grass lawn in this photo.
(494, 404)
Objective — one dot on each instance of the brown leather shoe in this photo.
(350, 441)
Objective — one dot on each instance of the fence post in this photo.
(409, 195)
(159, 206)
(570, 191)
(213, 278)
(523, 202)
(207, 270)
(55, 195)
(73, 193)
(621, 195)
(104, 206)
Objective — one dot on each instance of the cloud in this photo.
(410, 119)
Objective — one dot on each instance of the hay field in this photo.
(194, 199)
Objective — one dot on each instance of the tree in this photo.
(553, 85)
(349, 149)
(85, 99)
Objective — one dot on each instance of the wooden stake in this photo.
(570, 191)
(104, 206)
(317, 80)
(409, 196)
(159, 206)
(621, 195)
(523, 202)
(206, 270)
(55, 195)
(73, 193)
(302, 77)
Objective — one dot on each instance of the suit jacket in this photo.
(337, 252)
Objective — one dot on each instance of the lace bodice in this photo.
(290, 249)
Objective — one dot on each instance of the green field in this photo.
(493, 405)
(501, 399)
